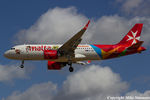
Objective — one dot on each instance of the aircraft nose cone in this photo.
(6, 54)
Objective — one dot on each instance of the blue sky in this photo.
(20, 15)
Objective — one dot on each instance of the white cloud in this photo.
(135, 7)
(91, 83)
(129, 5)
(42, 91)
(10, 72)
(56, 25)
(136, 95)
(59, 24)
(111, 29)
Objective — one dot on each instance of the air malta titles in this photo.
(41, 48)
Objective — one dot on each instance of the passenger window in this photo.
(12, 48)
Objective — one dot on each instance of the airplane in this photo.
(58, 56)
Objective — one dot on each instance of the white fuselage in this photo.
(36, 52)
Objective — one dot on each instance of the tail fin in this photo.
(133, 36)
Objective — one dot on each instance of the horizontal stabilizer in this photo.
(136, 46)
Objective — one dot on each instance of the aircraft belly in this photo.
(36, 55)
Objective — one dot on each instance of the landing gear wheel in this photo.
(70, 64)
(22, 66)
(71, 69)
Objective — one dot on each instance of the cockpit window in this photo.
(12, 48)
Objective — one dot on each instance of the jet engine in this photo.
(52, 65)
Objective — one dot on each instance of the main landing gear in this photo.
(71, 69)
(22, 64)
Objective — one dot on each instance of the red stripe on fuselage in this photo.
(105, 48)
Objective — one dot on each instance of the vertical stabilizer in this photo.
(133, 36)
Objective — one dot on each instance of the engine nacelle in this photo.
(50, 54)
(52, 65)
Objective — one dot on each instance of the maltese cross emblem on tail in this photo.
(133, 37)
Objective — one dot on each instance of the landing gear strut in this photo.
(22, 64)
(71, 69)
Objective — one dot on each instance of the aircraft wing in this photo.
(69, 47)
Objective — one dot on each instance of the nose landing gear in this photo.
(22, 64)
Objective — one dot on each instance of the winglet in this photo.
(86, 26)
